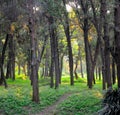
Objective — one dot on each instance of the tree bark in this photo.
(99, 72)
(2, 77)
(117, 38)
(75, 70)
(11, 58)
(81, 65)
(67, 33)
(61, 67)
(113, 72)
(54, 52)
(34, 69)
(107, 44)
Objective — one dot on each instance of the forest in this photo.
(59, 57)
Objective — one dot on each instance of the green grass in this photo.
(16, 99)
(82, 103)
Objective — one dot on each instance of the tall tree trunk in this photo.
(34, 69)
(11, 58)
(99, 72)
(61, 67)
(67, 33)
(88, 55)
(57, 66)
(54, 52)
(113, 72)
(46, 64)
(75, 70)
(117, 38)
(2, 77)
(81, 65)
(107, 44)
(19, 69)
(96, 73)
(103, 67)
(88, 61)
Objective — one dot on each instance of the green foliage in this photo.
(22, 76)
(79, 80)
(82, 103)
(16, 99)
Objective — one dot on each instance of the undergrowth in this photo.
(16, 99)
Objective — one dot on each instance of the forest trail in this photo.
(51, 110)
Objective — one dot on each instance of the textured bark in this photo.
(113, 72)
(99, 72)
(2, 77)
(51, 74)
(34, 69)
(46, 71)
(67, 33)
(88, 61)
(11, 58)
(81, 65)
(54, 53)
(61, 67)
(107, 44)
(117, 38)
(99, 25)
(85, 27)
(75, 70)
(19, 69)
(96, 73)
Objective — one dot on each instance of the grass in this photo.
(83, 103)
(16, 99)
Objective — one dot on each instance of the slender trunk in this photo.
(34, 69)
(113, 71)
(99, 72)
(8, 70)
(54, 52)
(19, 69)
(11, 59)
(67, 33)
(103, 67)
(75, 70)
(2, 79)
(24, 70)
(81, 65)
(117, 38)
(88, 61)
(46, 65)
(107, 44)
(57, 66)
(61, 67)
(29, 65)
(96, 73)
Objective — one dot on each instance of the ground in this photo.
(66, 100)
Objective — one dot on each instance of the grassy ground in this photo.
(16, 99)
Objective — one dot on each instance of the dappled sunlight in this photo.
(98, 94)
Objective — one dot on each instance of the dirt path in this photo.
(50, 110)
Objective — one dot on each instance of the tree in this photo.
(116, 55)
(33, 42)
(67, 33)
(54, 52)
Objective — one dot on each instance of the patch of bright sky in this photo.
(70, 5)
(69, 8)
